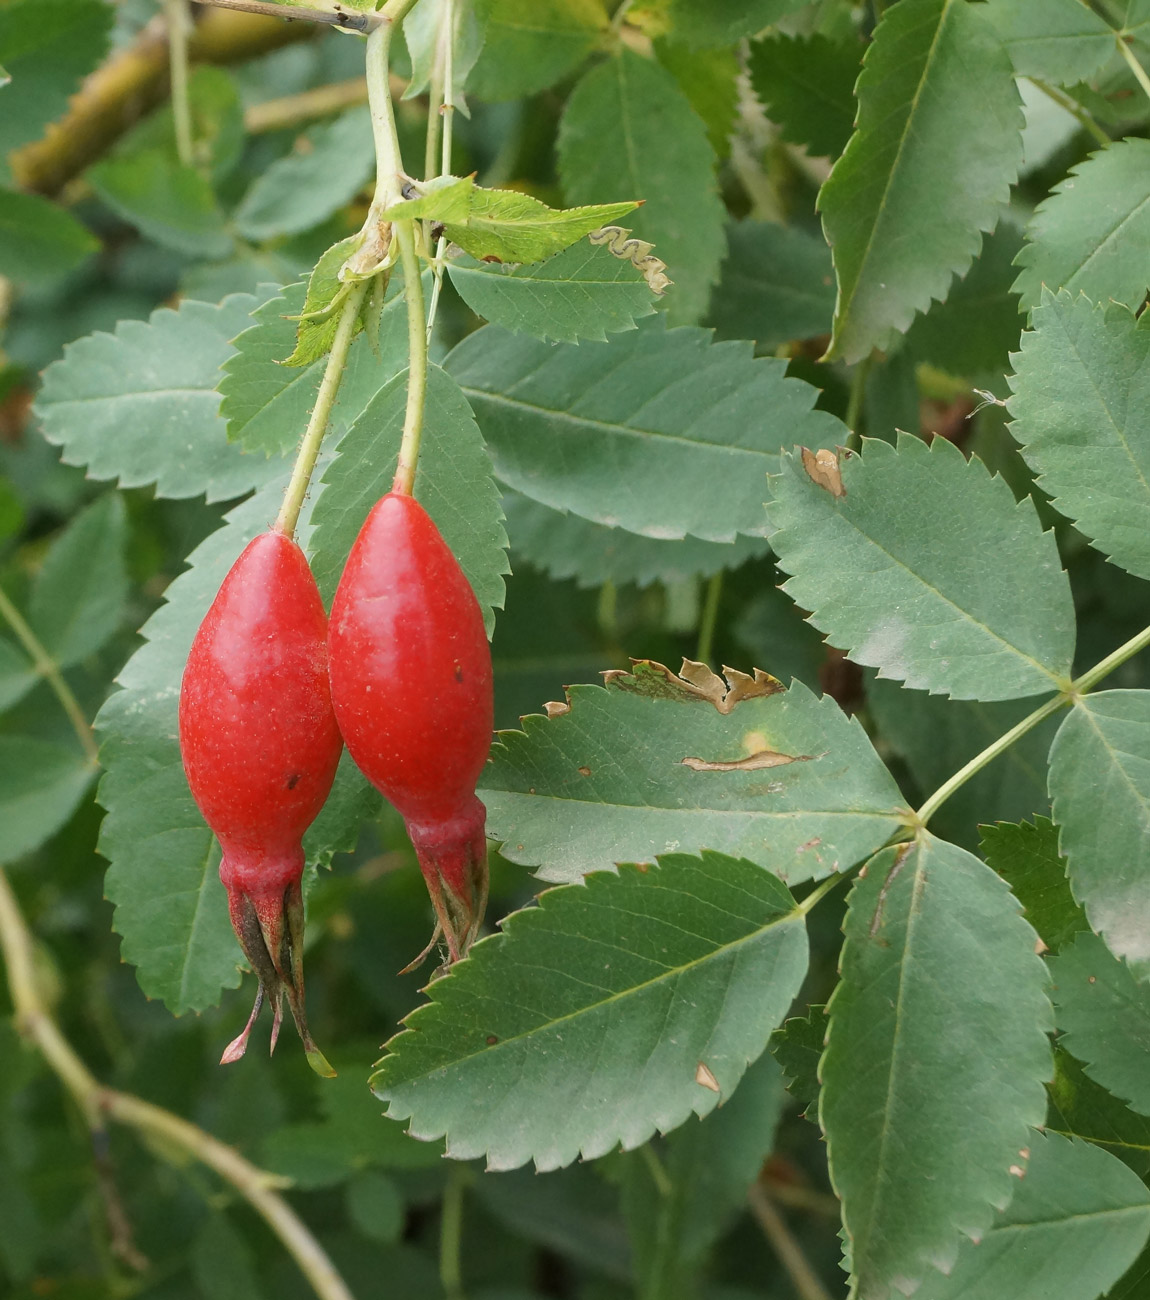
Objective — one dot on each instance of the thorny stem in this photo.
(451, 1234)
(321, 413)
(179, 21)
(1073, 107)
(258, 1187)
(803, 1277)
(709, 618)
(1135, 67)
(446, 96)
(45, 665)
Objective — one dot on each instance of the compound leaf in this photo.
(638, 998)
(806, 85)
(653, 763)
(697, 424)
(935, 1060)
(937, 609)
(938, 112)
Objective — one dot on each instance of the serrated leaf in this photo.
(266, 404)
(1100, 789)
(935, 1060)
(1081, 388)
(306, 186)
(582, 293)
(39, 240)
(442, 198)
(699, 424)
(668, 162)
(1091, 233)
(41, 785)
(605, 781)
(529, 45)
(46, 47)
(140, 406)
(325, 293)
(1077, 1220)
(806, 84)
(936, 611)
(1061, 41)
(512, 227)
(977, 327)
(566, 546)
(798, 1047)
(1079, 1107)
(777, 285)
(672, 973)
(1103, 1011)
(453, 484)
(163, 877)
(938, 112)
(78, 599)
(167, 201)
(1026, 856)
(936, 737)
(717, 22)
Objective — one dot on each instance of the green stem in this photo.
(388, 160)
(45, 665)
(1104, 667)
(659, 1176)
(818, 894)
(417, 362)
(855, 402)
(1135, 67)
(176, 13)
(447, 113)
(451, 1234)
(709, 618)
(1073, 107)
(803, 1277)
(321, 413)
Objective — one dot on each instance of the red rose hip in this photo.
(411, 685)
(260, 747)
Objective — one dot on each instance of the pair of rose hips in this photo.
(270, 694)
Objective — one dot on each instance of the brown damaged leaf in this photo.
(705, 1078)
(756, 762)
(556, 708)
(636, 251)
(695, 682)
(822, 467)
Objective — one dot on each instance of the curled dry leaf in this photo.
(695, 682)
(823, 468)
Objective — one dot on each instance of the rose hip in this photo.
(411, 685)
(260, 747)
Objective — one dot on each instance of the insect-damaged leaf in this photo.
(604, 781)
(641, 975)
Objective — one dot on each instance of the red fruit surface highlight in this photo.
(411, 685)
(260, 747)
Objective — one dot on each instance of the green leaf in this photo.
(627, 132)
(165, 200)
(223, 1264)
(266, 404)
(453, 484)
(1079, 1107)
(1100, 790)
(140, 405)
(1081, 391)
(1026, 856)
(514, 227)
(777, 285)
(421, 31)
(607, 780)
(325, 294)
(529, 45)
(46, 48)
(977, 327)
(798, 1047)
(1091, 233)
(700, 424)
(1103, 1011)
(79, 596)
(1077, 1220)
(375, 1206)
(566, 546)
(721, 22)
(1061, 41)
(38, 240)
(806, 84)
(674, 974)
(936, 737)
(709, 79)
(17, 676)
(936, 1055)
(707, 1166)
(937, 610)
(306, 186)
(938, 113)
(442, 198)
(41, 785)
(217, 124)
(582, 293)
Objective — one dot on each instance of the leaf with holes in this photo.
(674, 974)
